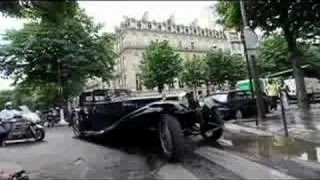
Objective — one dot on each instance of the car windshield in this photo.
(220, 97)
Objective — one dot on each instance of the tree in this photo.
(160, 65)
(45, 10)
(193, 73)
(296, 19)
(272, 55)
(223, 67)
(45, 52)
(236, 70)
(5, 96)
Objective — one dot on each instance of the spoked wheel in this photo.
(210, 125)
(171, 138)
(76, 126)
(39, 134)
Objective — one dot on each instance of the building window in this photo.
(192, 45)
(180, 45)
(138, 82)
(178, 29)
(195, 31)
(202, 32)
(169, 28)
(159, 27)
(139, 25)
(187, 31)
(149, 26)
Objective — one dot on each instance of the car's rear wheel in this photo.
(171, 138)
(76, 126)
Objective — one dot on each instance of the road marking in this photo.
(240, 166)
(175, 171)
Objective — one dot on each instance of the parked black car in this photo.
(104, 112)
(237, 104)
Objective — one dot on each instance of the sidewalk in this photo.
(301, 125)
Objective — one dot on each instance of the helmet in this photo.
(8, 105)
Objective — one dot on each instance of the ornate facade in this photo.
(189, 40)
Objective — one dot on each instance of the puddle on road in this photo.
(274, 146)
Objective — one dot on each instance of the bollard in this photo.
(283, 114)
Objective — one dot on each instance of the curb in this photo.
(241, 128)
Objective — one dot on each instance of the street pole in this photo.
(245, 24)
(252, 61)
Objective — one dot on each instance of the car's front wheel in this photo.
(171, 137)
(39, 134)
(210, 125)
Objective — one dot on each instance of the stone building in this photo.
(188, 40)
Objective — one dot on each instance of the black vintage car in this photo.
(109, 111)
(237, 104)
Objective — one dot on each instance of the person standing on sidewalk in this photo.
(284, 89)
(272, 91)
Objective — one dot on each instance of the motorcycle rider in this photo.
(6, 113)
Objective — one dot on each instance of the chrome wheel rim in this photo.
(165, 139)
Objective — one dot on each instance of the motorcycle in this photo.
(23, 125)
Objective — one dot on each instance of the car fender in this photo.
(39, 126)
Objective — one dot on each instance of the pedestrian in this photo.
(284, 90)
(272, 92)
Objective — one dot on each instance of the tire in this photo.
(40, 134)
(205, 127)
(238, 114)
(76, 126)
(170, 134)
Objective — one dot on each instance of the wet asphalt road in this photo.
(61, 156)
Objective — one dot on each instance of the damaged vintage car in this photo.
(170, 117)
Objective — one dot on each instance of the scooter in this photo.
(19, 128)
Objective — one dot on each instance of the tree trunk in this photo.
(160, 88)
(207, 88)
(195, 92)
(294, 57)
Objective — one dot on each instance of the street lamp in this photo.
(251, 44)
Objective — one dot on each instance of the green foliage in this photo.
(222, 67)
(160, 65)
(53, 11)
(272, 55)
(231, 14)
(5, 96)
(193, 73)
(39, 50)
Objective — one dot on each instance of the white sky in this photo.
(111, 13)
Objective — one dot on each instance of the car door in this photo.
(234, 101)
(249, 103)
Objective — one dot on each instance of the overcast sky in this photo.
(111, 13)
